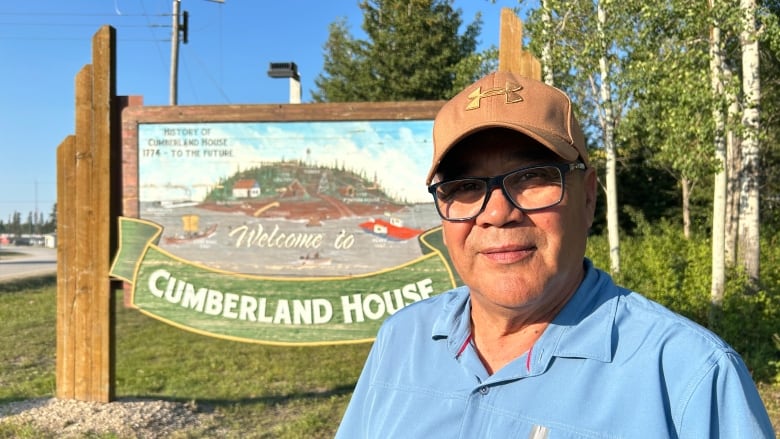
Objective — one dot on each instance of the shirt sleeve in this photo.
(725, 403)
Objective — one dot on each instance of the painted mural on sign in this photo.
(282, 232)
(288, 198)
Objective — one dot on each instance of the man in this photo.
(538, 343)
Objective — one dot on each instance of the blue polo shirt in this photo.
(612, 364)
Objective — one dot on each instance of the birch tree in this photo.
(733, 166)
(577, 43)
(547, 43)
(725, 109)
(607, 126)
(654, 80)
(718, 286)
(749, 218)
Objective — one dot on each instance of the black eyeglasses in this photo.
(530, 188)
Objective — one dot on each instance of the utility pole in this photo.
(174, 53)
(178, 27)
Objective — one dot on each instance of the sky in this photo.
(44, 44)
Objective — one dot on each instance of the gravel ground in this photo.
(126, 418)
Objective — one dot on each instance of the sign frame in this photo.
(135, 116)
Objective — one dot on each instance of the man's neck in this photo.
(498, 348)
(501, 335)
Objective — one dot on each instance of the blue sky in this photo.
(44, 43)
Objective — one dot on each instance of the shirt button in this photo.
(484, 390)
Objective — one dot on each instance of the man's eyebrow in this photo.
(453, 170)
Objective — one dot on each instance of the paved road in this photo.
(20, 262)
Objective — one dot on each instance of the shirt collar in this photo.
(454, 322)
(582, 329)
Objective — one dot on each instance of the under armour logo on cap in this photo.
(510, 90)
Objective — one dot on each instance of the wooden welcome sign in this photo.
(293, 224)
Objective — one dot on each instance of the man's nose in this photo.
(498, 209)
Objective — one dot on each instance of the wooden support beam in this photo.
(66, 255)
(511, 56)
(103, 198)
(84, 302)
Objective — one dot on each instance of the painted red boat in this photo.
(392, 229)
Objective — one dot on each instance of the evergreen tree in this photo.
(414, 51)
(16, 223)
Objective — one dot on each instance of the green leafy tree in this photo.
(679, 94)
(770, 104)
(413, 51)
(583, 40)
(668, 67)
(653, 58)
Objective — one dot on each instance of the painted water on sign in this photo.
(279, 247)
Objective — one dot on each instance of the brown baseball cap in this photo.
(506, 100)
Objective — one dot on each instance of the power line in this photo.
(204, 68)
(78, 25)
(23, 183)
(25, 201)
(151, 30)
(69, 14)
(87, 38)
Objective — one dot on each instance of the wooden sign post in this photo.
(511, 56)
(85, 218)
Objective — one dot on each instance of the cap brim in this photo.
(549, 140)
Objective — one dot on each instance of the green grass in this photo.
(28, 335)
(28, 283)
(255, 391)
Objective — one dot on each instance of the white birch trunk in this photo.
(733, 166)
(734, 162)
(609, 146)
(718, 286)
(749, 193)
(547, 62)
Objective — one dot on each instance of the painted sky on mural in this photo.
(397, 153)
(44, 43)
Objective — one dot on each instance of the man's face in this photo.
(515, 261)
